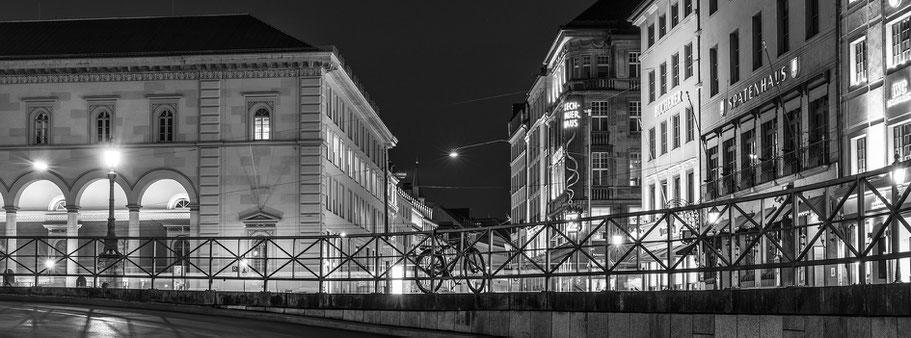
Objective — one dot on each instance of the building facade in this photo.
(874, 58)
(220, 134)
(671, 90)
(575, 139)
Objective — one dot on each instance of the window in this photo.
(635, 113)
(663, 197)
(600, 118)
(900, 46)
(735, 56)
(860, 155)
(663, 137)
(713, 71)
(181, 203)
(42, 123)
(261, 124)
(784, 29)
(675, 122)
(586, 66)
(812, 21)
(859, 61)
(757, 41)
(713, 6)
(577, 68)
(651, 35)
(675, 15)
(662, 26)
(691, 187)
(633, 59)
(677, 188)
(675, 70)
(769, 147)
(688, 63)
(651, 86)
(635, 168)
(651, 193)
(258, 256)
(651, 143)
(902, 141)
(166, 126)
(663, 79)
(603, 66)
(103, 127)
(687, 7)
(690, 125)
(600, 168)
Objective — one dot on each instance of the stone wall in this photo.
(857, 311)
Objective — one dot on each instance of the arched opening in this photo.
(39, 216)
(165, 212)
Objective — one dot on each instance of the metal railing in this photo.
(765, 170)
(602, 84)
(852, 230)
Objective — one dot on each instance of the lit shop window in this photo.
(899, 41)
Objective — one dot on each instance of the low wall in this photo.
(861, 310)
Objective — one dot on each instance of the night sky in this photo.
(444, 73)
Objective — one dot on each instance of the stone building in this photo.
(226, 127)
(575, 138)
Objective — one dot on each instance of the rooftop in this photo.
(143, 36)
(610, 14)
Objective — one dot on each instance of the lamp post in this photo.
(110, 255)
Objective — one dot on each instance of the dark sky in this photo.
(443, 72)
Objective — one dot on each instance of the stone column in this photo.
(72, 244)
(132, 244)
(10, 244)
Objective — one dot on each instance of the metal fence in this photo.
(852, 230)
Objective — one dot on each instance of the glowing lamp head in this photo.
(111, 158)
(243, 262)
(616, 240)
(343, 235)
(713, 215)
(898, 175)
(39, 166)
(453, 154)
(49, 264)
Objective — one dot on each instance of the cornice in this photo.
(159, 73)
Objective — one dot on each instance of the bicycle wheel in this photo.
(474, 270)
(428, 271)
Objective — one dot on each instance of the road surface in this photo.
(18, 319)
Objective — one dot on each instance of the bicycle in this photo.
(433, 266)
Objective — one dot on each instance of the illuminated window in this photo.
(663, 79)
(651, 86)
(635, 168)
(663, 137)
(676, 125)
(166, 126)
(103, 127)
(902, 141)
(651, 143)
(675, 70)
(688, 60)
(860, 155)
(635, 113)
(261, 124)
(859, 61)
(42, 121)
(690, 125)
(182, 203)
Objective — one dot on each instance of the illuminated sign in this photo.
(770, 81)
(900, 93)
(668, 103)
(571, 114)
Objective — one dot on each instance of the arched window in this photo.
(103, 126)
(41, 128)
(166, 126)
(261, 124)
(182, 203)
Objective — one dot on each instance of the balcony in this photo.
(600, 138)
(602, 84)
(791, 162)
(609, 193)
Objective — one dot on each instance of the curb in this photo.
(248, 314)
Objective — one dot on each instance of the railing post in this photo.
(547, 230)
(154, 261)
(433, 254)
(95, 266)
(489, 265)
(37, 270)
(211, 258)
(322, 270)
(376, 263)
(861, 231)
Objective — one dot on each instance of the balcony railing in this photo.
(603, 84)
(600, 138)
(791, 162)
(609, 193)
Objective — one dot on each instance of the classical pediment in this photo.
(260, 217)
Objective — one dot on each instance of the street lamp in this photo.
(40, 165)
(713, 215)
(110, 254)
(454, 153)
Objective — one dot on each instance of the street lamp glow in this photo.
(39, 166)
(343, 234)
(453, 154)
(111, 158)
(617, 240)
(243, 262)
(898, 175)
(49, 263)
(713, 215)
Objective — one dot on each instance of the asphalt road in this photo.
(18, 319)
